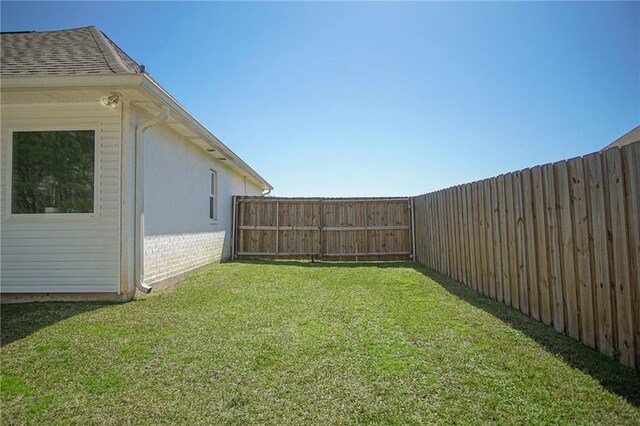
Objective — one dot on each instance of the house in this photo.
(108, 184)
(630, 137)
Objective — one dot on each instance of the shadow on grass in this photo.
(613, 376)
(21, 319)
(331, 264)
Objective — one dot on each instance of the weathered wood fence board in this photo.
(559, 242)
(327, 228)
(631, 173)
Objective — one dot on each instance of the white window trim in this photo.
(213, 192)
(61, 217)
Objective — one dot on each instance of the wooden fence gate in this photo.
(326, 228)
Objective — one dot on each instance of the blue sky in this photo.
(365, 99)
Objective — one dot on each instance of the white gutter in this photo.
(139, 196)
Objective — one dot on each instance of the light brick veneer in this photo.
(166, 256)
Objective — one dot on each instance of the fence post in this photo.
(277, 227)
(366, 230)
(413, 231)
(233, 226)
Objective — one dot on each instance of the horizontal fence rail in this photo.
(326, 228)
(559, 242)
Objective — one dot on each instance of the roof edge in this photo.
(631, 136)
(161, 94)
(143, 81)
(47, 31)
(108, 52)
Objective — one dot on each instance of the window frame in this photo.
(213, 193)
(96, 172)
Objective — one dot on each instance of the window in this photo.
(53, 171)
(213, 196)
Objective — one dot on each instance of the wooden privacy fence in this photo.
(559, 242)
(327, 228)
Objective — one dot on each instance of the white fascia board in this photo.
(165, 98)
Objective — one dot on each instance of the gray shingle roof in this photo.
(79, 51)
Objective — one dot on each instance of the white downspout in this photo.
(139, 196)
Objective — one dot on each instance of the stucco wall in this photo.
(179, 236)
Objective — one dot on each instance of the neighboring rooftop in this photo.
(630, 137)
(79, 51)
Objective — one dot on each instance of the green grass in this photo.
(301, 343)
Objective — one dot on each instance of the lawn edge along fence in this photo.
(559, 242)
(323, 228)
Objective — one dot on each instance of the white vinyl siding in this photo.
(179, 233)
(60, 253)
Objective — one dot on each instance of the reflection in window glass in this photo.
(53, 172)
(213, 201)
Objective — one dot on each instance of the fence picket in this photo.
(553, 241)
(504, 293)
(631, 162)
(621, 270)
(542, 251)
(491, 262)
(582, 251)
(512, 255)
(521, 248)
(470, 231)
(599, 251)
(530, 242)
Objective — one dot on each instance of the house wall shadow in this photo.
(613, 376)
(19, 320)
(329, 264)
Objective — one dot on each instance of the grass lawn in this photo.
(301, 343)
